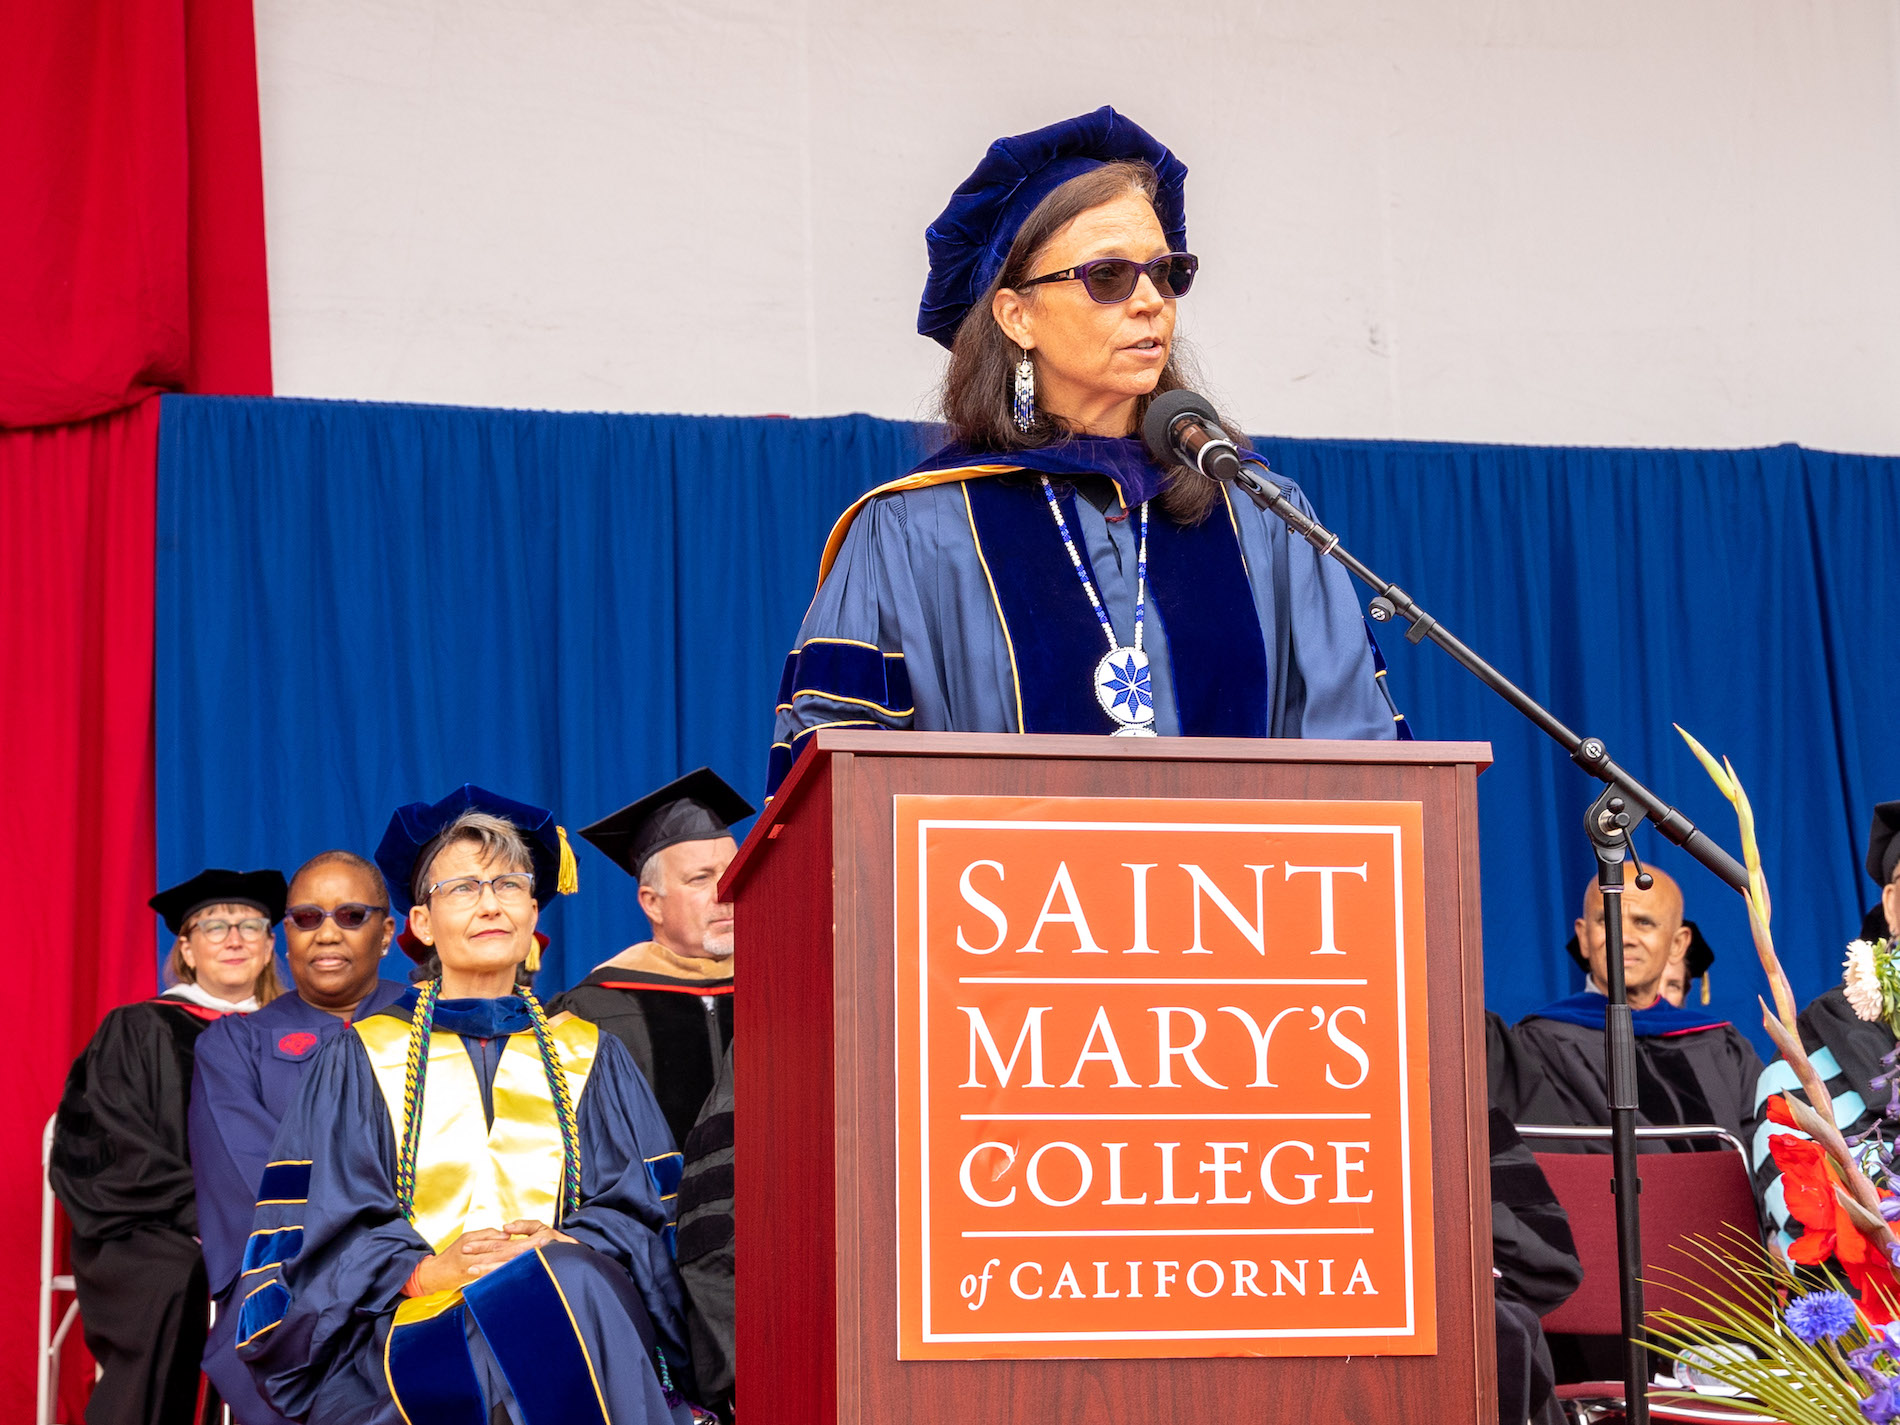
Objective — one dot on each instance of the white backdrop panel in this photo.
(1666, 222)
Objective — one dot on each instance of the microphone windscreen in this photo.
(1157, 426)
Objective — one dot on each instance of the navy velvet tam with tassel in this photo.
(413, 827)
(970, 240)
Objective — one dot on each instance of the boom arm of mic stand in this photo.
(1588, 753)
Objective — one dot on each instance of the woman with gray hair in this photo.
(469, 1212)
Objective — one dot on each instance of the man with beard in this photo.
(1690, 1066)
(1845, 1049)
(251, 1067)
(669, 999)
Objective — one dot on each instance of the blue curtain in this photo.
(365, 605)
(360, 605)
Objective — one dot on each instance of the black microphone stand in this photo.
(1624, 805)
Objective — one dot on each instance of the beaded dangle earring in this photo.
(1025, 404)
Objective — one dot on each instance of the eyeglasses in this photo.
(250, 928)
(351, 915)
(515, 888)
(1112, 279)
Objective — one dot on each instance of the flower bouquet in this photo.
(1801, 1356)
(1792, 1352)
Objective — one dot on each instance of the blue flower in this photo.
(1821, 1316)
(1883, 1405)
(1866, 1359)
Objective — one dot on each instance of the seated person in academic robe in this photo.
(1848, 1052)
(121, 1162)
(1686, 968)
(467, 1214)
(1515, 1085)
(1041, 573)
(250, 1068)
(669, 999)
(706, 1245)
(1533, 1256)
(1691, 1067)
(1534, 1259)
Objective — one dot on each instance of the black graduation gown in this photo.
(706, 1245)
(1690, 1068)
(677, 1031)
(121, 1167)
(1516, 1085)
(1531, 1246)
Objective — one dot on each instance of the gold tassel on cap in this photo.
(534, 956)
(569, 880)
(1705, 987)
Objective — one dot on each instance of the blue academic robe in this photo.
(249, 1070)
(1691, 1067)
(948, 602)
(330, 1252)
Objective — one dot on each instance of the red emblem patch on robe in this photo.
(299, 1042)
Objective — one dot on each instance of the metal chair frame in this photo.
(1592, 1130)
(51, 1339)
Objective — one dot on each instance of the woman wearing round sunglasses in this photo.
(1040, 573)
(251, 1068)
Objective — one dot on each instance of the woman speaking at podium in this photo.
(1040, 573)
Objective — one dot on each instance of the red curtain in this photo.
(132, 256)
(76, 512)
(131, 263)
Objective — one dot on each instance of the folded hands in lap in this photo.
(476, 1253)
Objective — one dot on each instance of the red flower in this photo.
(1808, 1179)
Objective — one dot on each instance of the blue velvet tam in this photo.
(413, 827)
(970, 240)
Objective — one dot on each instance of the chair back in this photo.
(1684, 1195)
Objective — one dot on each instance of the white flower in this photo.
(1860, 980)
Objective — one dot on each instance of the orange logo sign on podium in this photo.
(1161, 1078)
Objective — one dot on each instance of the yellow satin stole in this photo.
(469, 1174)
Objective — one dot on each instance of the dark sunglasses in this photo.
(1113, 279)
(351, 915)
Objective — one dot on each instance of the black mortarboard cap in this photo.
(264, 889)
(697, 807)
(1883, 843)
(1700, 955)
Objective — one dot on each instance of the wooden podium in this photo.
(876, 1285)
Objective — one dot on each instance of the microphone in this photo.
(1180, 429)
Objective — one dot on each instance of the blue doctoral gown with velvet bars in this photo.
(948, 602)
(569, 1335)
(249, 1069)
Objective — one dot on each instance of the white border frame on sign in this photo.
(927, 1335)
